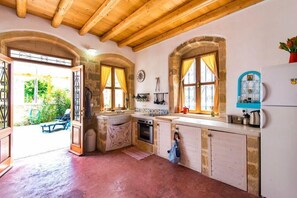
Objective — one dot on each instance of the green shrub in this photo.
(61, 100)
(54, 105)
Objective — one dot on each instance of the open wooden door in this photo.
(6, 124)
(77, 111)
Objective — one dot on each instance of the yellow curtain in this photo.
(186, 64)
(185, 67)
(122, 79)
(210, 61)
(105, 73)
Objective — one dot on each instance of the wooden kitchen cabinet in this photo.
(163, 138)
(228, 158)
(190, 147)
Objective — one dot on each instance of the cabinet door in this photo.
(164, 138)
(190, 147)
(228, 158)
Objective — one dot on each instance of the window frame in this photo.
(112, 87)
(40, 62)
(198, 84)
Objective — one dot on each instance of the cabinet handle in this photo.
(209, 135)
(158, 124)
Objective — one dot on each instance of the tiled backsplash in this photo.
(152, 111)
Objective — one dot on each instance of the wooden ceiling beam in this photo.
(172, 17)
(63, 7)
(134, 17)
(101, 12)
(202, 20)
(21, 7)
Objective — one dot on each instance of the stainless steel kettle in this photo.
(255, 118)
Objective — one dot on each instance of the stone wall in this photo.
(51, 45)
(253, 164)
(196, 46)
(102, 133)
(205, 152)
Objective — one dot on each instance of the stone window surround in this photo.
(200, 45)
(120, 61)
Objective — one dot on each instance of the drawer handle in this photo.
(209, 135)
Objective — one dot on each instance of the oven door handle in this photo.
(142, 124)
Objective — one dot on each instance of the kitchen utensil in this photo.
(157, 84)
(255, 118)
(156, 100)
(245, 121)
(229, 118)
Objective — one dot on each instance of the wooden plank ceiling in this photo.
(135, 23)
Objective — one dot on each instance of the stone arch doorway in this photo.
(197, 45)
(45, 44)
(40, 43)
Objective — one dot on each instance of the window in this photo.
(18, 54)
(199, 83)
(115, 87)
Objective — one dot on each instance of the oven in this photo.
(145, 130)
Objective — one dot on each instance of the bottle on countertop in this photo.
(246, 117)
(212, 113)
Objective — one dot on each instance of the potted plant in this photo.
(291, 47)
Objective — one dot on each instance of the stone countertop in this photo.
(167, 118)
(113, 113)
(218, 125)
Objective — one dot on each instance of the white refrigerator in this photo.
(279, 131)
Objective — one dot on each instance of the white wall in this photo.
(10, 22)
(252, 37)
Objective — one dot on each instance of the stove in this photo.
(145, 130)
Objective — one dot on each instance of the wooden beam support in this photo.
(172, 17)
(102, 12)
(62, 9)
(202, 20)
(134, 17)
(21, 7)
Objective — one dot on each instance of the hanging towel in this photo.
(88, 97)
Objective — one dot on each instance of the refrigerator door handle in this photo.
(264, 92)
(263, 118)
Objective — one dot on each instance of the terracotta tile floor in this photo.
(115, 174)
